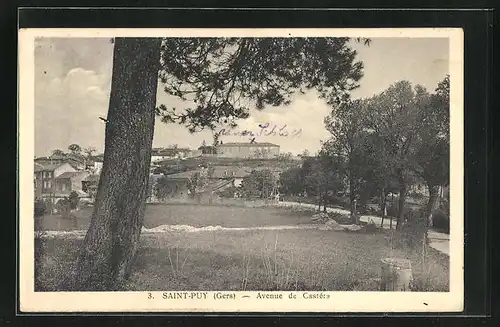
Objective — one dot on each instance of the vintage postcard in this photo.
(241, 170)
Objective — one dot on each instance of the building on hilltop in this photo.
(248, 150)
(207, 150)
(159, 154)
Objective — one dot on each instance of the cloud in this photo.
(67, 110)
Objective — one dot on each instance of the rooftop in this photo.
(183, 175)
(92, 178)
(168, 151)
(70, 174)
(48, 167)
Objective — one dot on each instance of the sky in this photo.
(73, 78)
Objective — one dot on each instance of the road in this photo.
(437, 241)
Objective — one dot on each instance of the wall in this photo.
(46, 180)
(97, 167)
(76, 181)
(38, 185)
(63, 186)
(65, 167)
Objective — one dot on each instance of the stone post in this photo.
(396, 275)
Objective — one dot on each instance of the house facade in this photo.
(207, 150)
(234, 174)
(249, 150)
(90, 184)
(70, 182)
(94, 164)
(45, 178)
(176, 186)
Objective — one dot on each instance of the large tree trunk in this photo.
(112, 238)
(431, 205)
(383, 203)
(352, 201)
(401, 206)
(324, 203)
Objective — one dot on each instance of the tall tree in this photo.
(162, 188)
(291, 182)
(219, 79)
(196, 181)
(433, 154)
(322, 178)
(393, 116)
(346, 124)
(112, 238)
(260, 183)
(380, 175)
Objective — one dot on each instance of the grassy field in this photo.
(248, 259)
(193, 215)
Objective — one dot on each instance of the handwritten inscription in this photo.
(266, 129)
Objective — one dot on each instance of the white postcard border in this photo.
(32, 301)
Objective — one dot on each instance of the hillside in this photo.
(193, 163)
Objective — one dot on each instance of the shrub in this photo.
(40, 208)
(63, 206)
(392, 210)
(369, 228)
(74, 200)
(416, 196)
(441, 221)
(228, 192)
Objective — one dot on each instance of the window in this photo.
(63, 187)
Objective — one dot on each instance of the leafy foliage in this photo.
(348, 141)
(57, 152)
(291, 181)
(40, 208)
(162, 188)
(74, 200)
(195, 182)
(392, 140)
(224, 77)
(260, 183)
(75, 148)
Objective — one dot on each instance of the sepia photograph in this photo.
(241, 170)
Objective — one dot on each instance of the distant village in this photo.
(223, 166)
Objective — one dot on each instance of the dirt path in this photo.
(438, 241)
